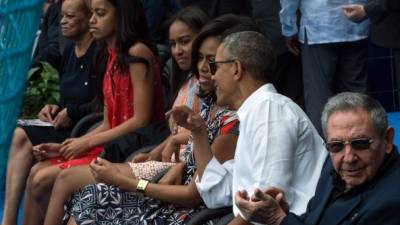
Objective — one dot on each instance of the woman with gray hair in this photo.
(77, 90)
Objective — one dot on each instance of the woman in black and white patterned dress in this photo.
(117, 197)
(120, 203)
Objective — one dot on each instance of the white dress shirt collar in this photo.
(253, 99)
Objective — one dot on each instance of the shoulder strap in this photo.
(136, 59)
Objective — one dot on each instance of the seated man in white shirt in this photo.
(278, 145)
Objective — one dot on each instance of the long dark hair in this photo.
(131, 28)
(195, 18)
(219, 28)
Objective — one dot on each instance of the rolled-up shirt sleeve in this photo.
(215, 186)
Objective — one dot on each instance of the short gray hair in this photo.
(254, 51)
(350, 101)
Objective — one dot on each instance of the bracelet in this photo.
(141, 187)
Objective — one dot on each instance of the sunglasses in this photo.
(214, 65)
(359, 144)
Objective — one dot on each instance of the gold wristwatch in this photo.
(141, 187)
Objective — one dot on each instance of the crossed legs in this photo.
(68, 182)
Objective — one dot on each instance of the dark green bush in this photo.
(42, 88)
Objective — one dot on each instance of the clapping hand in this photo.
(279, 196)
(267, 207)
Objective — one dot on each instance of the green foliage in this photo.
(42, 88)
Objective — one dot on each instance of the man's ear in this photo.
(388, 140)
(238, 73)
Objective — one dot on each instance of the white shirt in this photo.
(277, 146)
(215, 186)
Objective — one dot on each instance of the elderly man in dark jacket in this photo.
(360, 181)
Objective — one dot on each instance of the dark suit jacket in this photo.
(48, 48)
(215, 8)
(377, 202)
(385, 22)
(266, 15)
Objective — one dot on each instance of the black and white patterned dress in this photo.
(104, 204)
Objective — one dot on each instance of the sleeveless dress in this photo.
(107, 204)
(118, 100)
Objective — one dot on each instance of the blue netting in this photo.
(19, 21)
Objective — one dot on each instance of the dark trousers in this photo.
(121, 148)
(396, 53)
(289, 80)
(329, 69)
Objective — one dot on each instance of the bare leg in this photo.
(68, 182)
(20, 162)
(38, 190)
(71, 221)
